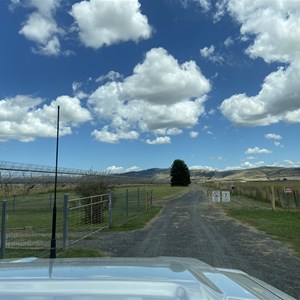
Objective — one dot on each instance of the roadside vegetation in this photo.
(281, 224)
(139, 221)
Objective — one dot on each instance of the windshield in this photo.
(153, 128)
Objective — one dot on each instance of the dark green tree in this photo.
(180, 173)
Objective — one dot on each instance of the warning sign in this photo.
(216, 196)
(288, 190)
(225, 196)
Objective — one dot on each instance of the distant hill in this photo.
(255, 174)
(259, 174)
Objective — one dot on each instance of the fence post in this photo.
(147, 200)
(3, 229)
(273, 198)
(151, 198)
(110, 208)
(14, 203)
(279, 200)
(126, 204)
(296, 199)
(66, 215)
(91, 212)
(50, 202)
(138, 198)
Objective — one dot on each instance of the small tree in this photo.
(180, 173)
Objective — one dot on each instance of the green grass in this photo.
(75, 253)
(35, 211)
(138, 221)
(166, 192)
(69, 253)
(282, 225)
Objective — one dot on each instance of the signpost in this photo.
(216, 196)
(288, 190)
(225, 196)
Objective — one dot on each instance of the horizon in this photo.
(18, 166)
(214, 83)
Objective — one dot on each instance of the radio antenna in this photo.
(53, 238)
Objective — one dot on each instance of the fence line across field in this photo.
(276, 196)
(26, 220)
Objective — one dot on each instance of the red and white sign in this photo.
(288, 190)
(216, 196)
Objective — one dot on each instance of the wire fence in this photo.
(26, 221)
(86, 216)
(284, 195)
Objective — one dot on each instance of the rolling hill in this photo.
(255, 174)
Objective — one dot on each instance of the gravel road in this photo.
(190, 226)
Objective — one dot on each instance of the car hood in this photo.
(128, 278)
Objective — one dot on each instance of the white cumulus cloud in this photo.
(102, 22)
(278, 144)
(274, 27)
(106, 136)
(41, 27)
(204, 4)
(257, 150)
(160, 97)
(115, 169)
(273, 136)
(118, 169)
(194, 134)
(209, 53)
(26, 118)
(159, 140)
(206, 168)
(133, 169)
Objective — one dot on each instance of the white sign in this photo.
(216, 196)
(288, 190)
(225, 196)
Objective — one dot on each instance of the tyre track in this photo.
(190, 226)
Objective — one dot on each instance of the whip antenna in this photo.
(53, 238)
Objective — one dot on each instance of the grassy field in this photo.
(281, 224)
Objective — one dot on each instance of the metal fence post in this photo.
(296, 199)
(3, 229)
(126, 204)
(151, 197)
(66, 215)
(138, 199)
(110, 208)
(50, 202)
(14, 203)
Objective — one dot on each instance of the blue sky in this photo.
(143, 82)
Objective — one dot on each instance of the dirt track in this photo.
(190, 226)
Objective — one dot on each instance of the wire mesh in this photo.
(87, 216)
(29, 224)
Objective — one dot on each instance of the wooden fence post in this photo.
(273, 198)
